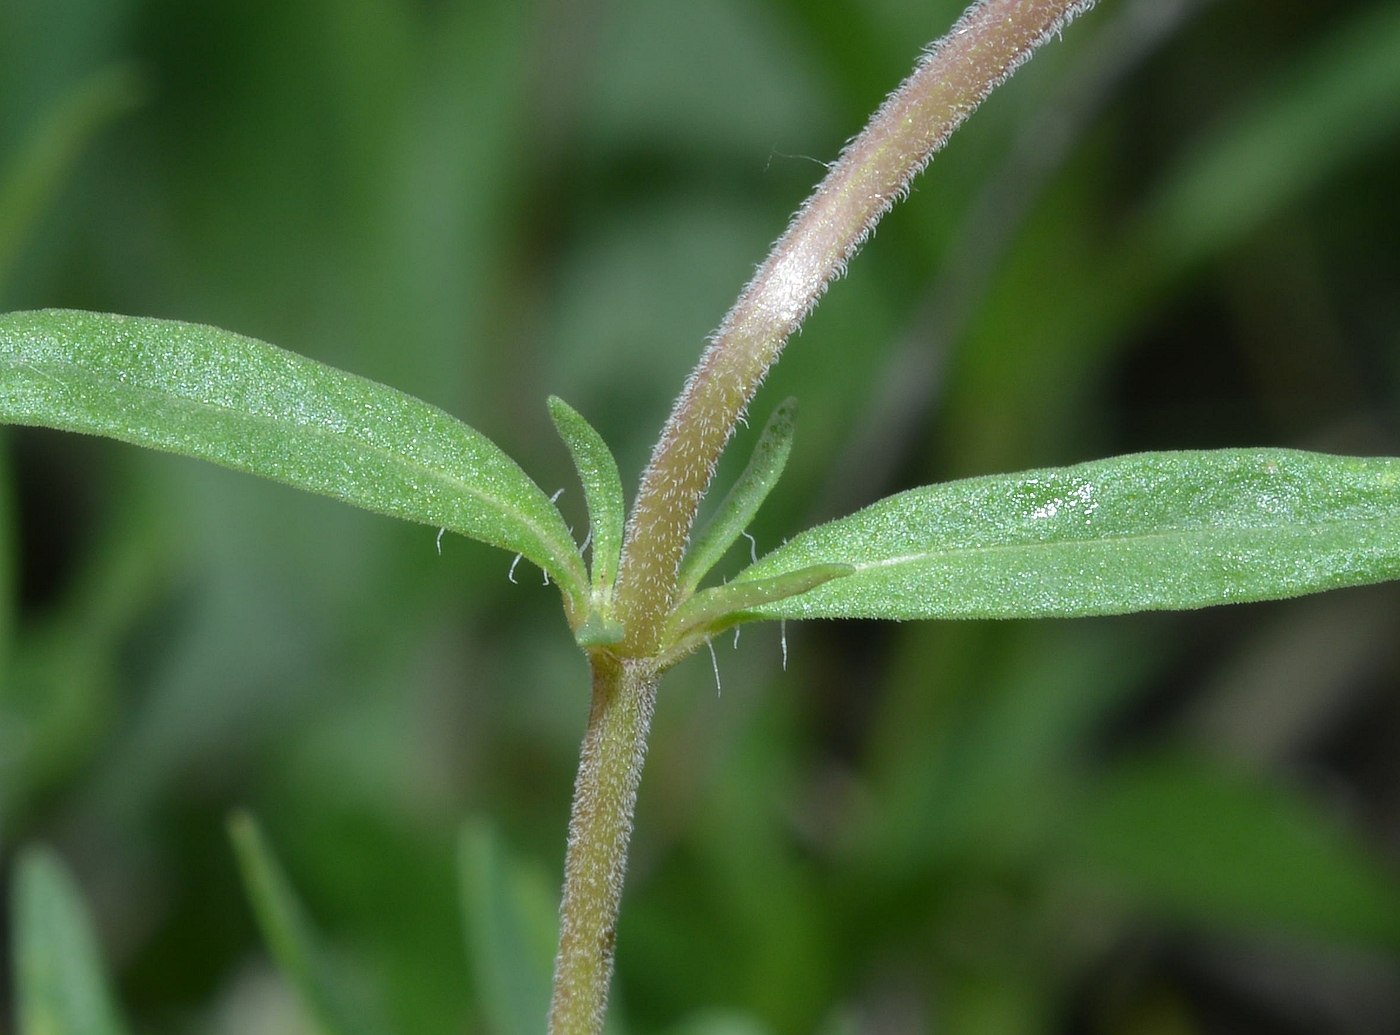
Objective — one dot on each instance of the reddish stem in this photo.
(985, 47)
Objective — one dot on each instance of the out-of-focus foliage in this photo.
(61, 987)
(1177, 228)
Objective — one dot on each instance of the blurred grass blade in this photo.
(1336, 101)
(219, 396)
(1150, 531)
(1213, 847)
(602, 488)
(511, 925)
(61, 986)
(741, 503)
(289, 935)
(46, 158)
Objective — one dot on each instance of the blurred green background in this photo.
(1178, 227)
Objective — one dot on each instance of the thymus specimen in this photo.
(1149, 531)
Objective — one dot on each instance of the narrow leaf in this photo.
(510, 919)
(61, 985)
(1150, 531)
(219, 396)
(602, 488)
(741, 503)
(719, 608)
(289, 935)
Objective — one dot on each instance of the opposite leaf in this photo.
(1151, 531)
(219, 396)
(722, 607)
(741, 503)
(61, 987)
(602, 488)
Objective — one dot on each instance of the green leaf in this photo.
(1151, 531)
(511, 922)
(721, 607)
(1196, 842)
(602, 488)
(61, 985)
(289, 935)
(46, 158)
(741, 503)
(208, 393)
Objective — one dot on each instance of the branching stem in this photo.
(990, 41)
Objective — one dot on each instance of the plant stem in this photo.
(992, 39)
(600, 827)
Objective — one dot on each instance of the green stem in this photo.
(600, 827)
(987, 45)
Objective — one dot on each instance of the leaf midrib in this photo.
(862, 566)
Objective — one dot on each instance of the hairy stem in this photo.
(600, 827)
(990, 41)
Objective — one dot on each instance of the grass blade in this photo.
(1336, 101)
(511, 924)
(208, 393)
(45, 160)
(602, 488)
(1208, 845)
(288, 933)
(741, 503)
(61, 985)
(1150, 531)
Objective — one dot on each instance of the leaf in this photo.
(60, 983)
(1189, 839)
(511, 923)
(289, 935)
(721, 607)
(208, 393)
(1150, 531)
(45, 160)
(602, 488)
(741, 503)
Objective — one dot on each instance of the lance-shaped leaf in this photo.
(741, 503)
(1151, 531)
(219, 396)
(290, 937)
(602, 489)
(721, 607)
(61, 986)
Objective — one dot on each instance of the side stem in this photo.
(983, 49)
(600, 827)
